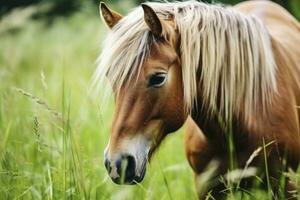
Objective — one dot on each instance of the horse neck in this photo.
(281, 107)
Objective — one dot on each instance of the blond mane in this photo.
(232, 51)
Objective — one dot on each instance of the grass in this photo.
(53, 132)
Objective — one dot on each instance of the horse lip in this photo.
(134, 181)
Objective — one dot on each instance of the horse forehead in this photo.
(161, 55)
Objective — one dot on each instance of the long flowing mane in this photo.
(231, 51)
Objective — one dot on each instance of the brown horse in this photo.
(234, 70)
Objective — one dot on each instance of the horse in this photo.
(233, 73)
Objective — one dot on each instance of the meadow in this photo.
(54, 129)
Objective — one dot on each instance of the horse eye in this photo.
(157, 80)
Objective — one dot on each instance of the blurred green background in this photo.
(52, 130)
(67, 7)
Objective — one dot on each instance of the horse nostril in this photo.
(107, 165)
(130, 168)
(126, 168)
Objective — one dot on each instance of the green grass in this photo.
(53, 132)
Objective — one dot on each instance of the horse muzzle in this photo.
(125, 169)
(126, 163)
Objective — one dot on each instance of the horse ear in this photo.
(110, 17)
(152, 20)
